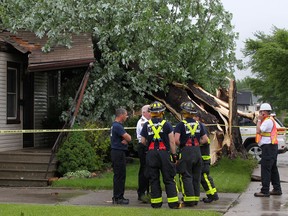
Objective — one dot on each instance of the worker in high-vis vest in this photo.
(158, 135)
(189, 134)
(266, 138)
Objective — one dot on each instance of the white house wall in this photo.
(8, 141)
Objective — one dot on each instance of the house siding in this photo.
(8, 141)
(40, 106)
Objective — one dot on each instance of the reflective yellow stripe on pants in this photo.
(156, 200)
(172, 199)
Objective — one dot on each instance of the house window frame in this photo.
(13, 66)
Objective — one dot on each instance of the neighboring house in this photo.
(29, 78)
(246, 101)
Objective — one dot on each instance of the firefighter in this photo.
(157, 134)
(119, 146)
(188, 135)
(206, 180)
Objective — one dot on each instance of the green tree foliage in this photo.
(243, 84)
(268, 61)
(140, 46)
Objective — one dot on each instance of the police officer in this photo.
(143, 181)
(266, 138)
(189, 134)
(157, 134)
(119, 145)
(206, 180)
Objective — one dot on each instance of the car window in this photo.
(279, 122)
(246, 122)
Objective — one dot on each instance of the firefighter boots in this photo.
(120, 201)
(210, 198)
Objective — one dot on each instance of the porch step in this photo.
(25, 156)
(26, 168)
(24, 165)
(6, 182)
(25, 174)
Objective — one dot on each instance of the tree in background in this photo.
(141, 47)
(243, 84)
(268, 61)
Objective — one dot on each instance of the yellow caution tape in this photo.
(56, 130)
(97, 129)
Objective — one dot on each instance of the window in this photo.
(13, 72)
(53, 88)
(246, 122)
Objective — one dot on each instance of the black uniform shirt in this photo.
(185, 132)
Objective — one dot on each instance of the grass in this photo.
(230, 176)
(47, 210)
(233, 176)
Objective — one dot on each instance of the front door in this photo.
(28, 109)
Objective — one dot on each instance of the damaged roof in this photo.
(60, 57)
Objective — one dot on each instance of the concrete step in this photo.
(11, 182)
(25, 156)
(25, 174)
(25, 165)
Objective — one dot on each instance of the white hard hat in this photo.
(265, 106)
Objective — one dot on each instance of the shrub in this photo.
(100, 141)
(76, 154)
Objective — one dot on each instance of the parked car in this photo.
(248, 132)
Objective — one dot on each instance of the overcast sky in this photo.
(250, 16)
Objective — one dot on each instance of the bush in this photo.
(133, 145)
(76, 154)
(100, 141)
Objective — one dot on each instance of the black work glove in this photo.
(174, 158)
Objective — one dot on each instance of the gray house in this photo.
(246, 101)
(29, 78)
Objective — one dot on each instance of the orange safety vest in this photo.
(272, 134)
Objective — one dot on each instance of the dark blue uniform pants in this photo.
(143, 181)
(118, 158)
(160, 161)
(189, 168)
(206, 180)
(269, 170)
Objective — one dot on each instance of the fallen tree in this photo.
(137, 44)
(219, 113)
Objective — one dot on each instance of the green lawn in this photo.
(48, 210)
(230, 176)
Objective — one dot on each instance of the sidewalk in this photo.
(247, 204)
(62, 196)
(230, 204)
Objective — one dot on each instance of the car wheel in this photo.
(254, 150)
